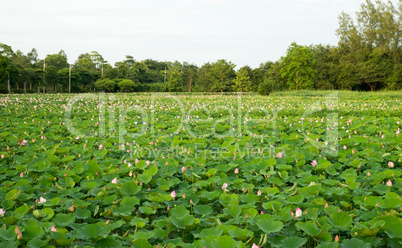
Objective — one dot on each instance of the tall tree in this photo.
(175, 84)
(325, 66)
(204, 82)
(243, 81)
(298, 67)
(221, 74)
(189, 74)
(6, 56)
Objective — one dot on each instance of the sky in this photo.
(197, 31)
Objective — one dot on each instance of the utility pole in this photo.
(164, 80)
(69, 80)
(44, 74)
(9, 85)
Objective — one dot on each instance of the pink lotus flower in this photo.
(236, 171)
(336, 238)
(2, 212)
(391, 165)
(24, 142)
(183, 169)
(108, 221)
(22, 174)
(41, 200)
(19, 236)
(71, 208)
(368, 174)
(173, 194)
(279, 155)
(2, 156)
(314, 163)
(130, 174)
(136, 161)
(148, 162)
(246, 216)
(326, 205)
(255, 246)
(17, 230)
(114, 180)
(100, 147)
(54, 229)
(224, 186)
(298, 212)
(259, 192)
(184, 195)
(344, 147)
(389, 183)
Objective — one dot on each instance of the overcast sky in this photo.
(197, 31)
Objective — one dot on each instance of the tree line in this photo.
(368, 57)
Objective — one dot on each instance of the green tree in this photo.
(221, 75)
(59, 60)
(6, 55)
(298, 67)
(190, 74)
(204, 81)
(325, 66)
(258, 75)
(126, 85)
(105, 84)
(243, 81)
(175, 84)
(372, 45)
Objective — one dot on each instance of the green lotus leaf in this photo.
(395, 230)
(292, 242)
(353, 243)
(109, 243)
(33, 232)
(249, 198)
(296, 199)
(141, 243)
(273, 205)
(240, 234)
(8, 234)
(92, 231)
(143, 235)
(13, 195)
(203, 209)
(63, 220)
(341, 220)
(225, 242)
(309, 228)
(269, 226)
(147, 210)
(182, 221)
(130, 188)
(82, 213)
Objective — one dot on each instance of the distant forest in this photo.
(368, 57)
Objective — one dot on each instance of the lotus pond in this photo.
(191, 170)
